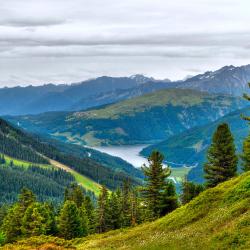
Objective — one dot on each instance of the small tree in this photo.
(169, 198)
(74, 193)
(90, 212)
(34, 221)
(245, 156)
(221, 157)
(12, 223)
(102, 211)
(153, 191)
(190, 190)
(69, 222)
(84, 220)
(26, 198)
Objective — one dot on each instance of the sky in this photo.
(63, 41)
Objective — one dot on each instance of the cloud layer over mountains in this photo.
(67, 41)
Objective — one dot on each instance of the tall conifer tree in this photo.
(155, 183)
(221, 157)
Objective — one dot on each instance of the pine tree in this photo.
(74, 193)
(69, 222)
(84, 220)
(102, 211)
(135, 208)
(190, 190)
(90, 212)
(170, 199)
(13, 220)
(25, 199)
(245, 156)
(12, 223)
(221, 157)
(114, 211)
(34, 221)
(155, 184)
(125, 205)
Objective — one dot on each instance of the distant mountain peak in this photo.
(139, 78)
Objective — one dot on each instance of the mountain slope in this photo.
(227, 80)
(190, 147)
(144, 119)
(20, 145)
(217, 219)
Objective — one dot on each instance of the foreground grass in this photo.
(219, 218)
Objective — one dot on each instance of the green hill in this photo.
(144, 119)
(218, 218)
(47, 170)
(190, 147)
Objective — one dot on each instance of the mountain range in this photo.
(145, 119)
(105, 90)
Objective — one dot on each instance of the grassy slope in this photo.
(176, 97)
(219, 218)
(84, 181)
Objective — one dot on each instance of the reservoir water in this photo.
(129, 153)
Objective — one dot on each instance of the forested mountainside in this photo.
(160, 114)
(115, 163)
(217, 219)
(23, 150)
(105, 90)
(190, 147)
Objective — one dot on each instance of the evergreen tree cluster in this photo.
(79, 215)
(46, 183)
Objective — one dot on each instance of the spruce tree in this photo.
(125, 205)
(190, 190)
(90, 212)
(114, 211)
(12, 223)
(155, 184)
(69, 222)
(170, 198)
(74, 193)
(102, 211)
(84, 220)
(26, 198)
(34, 221)
(13, 220)
(245, 156)
(221, 157)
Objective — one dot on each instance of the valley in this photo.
(132, 154)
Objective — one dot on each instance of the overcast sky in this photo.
(63, 41)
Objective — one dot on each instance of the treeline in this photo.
(20, 145)
(46, 183)
(10, 145)
(79, 215)
(85, 166)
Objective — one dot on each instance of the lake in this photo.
(129, 153)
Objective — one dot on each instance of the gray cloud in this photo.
(40, 39)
